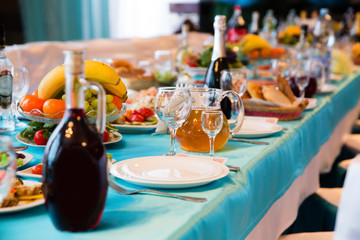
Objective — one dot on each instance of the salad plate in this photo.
(23, 206)
(254, 128)
(117, 137)
(27, 159)
(169, 171)
(27, 172)
(127, 128)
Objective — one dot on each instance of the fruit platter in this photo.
(47, 104)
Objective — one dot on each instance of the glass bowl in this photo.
(37, 115)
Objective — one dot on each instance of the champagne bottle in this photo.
(218, 61)
(7, 123)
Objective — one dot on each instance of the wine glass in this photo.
(21, 83)
(7, 166)
(173, 106)
(211, 122)
(234, 79)
(280, 67)
(302, 75)
(163, 61)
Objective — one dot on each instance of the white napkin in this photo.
(161, 128)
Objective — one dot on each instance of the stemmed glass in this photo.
(280, 67)
(7, 166)
(302, 75)
(173, 106)
(21, 83)
(234, 79)
(211, 122)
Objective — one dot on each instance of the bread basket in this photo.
(282, 113)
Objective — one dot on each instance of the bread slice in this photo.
(272, 94)
(254, 90)
(284, 87)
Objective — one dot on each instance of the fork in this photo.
(121, 190)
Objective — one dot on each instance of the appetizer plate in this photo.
(312, 103)
(126, 128)
(327, 88)
(253, 128)
(169, 171)
(25, 206)
(117, 138)
(28, 173)
(27, 159)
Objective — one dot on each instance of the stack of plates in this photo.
(169, 171)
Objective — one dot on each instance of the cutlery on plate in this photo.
(20, 148)
(121, 190)
(249, 141)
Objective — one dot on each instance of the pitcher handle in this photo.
(101, 106)
(235, 124)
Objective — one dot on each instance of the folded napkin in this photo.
(161, 129)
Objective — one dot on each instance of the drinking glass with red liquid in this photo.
(75, 164)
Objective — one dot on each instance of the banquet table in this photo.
(259, 202)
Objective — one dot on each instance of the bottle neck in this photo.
(74, 74)
(2, 52)
(219, 43)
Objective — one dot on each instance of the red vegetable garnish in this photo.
(39, 137)
(145, 112)
(37, 169)
(106, 136)
(136, 118)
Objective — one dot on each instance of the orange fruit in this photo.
(35, 93)
(265, 53)
(253, 54)
(31, 102)
(55, 108)
(277, 52)
(117, 101)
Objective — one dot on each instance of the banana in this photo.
(118, 90)
(255, 44)
(54, 82)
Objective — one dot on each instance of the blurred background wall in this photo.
(61, 20)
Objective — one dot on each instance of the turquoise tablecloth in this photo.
(235, 203)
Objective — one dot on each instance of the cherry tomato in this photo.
(145, 112)
(192, 61)
(55, 108)
(39, 137)
(136, 118)
(128, 114)
(30, 102)
(37, 169)
(106, 136)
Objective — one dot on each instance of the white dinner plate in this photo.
(25, 206)
(169, 171)
(327, 88)
(126, 128)
(27, 159)
(117, 138)
(27, 173)
(252, 128)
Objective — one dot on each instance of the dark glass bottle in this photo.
(75, 164)
(218, 61)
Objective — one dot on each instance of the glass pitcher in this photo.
(191, 136)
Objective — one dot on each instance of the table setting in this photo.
(166, 153)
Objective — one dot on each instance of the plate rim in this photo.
(27, 155)
(169, 184)
(277, 128)
(331, 87)
(26, 206)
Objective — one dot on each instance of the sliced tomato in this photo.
(106, 136)
(37, 169)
